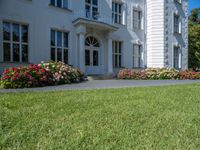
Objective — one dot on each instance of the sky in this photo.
(193, 4)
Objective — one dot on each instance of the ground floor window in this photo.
(15, 42)
(117, 53)
(137, 55)
(59, 46)
(176, 57)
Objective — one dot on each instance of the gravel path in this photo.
(103, 84)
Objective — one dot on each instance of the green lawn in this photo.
(133, 118)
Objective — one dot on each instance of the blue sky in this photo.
(193, 4)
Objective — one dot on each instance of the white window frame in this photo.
(177, 25)
(178, 59)
(139, 57)
(116, 45)
(56, 47)
(91, 16)
(114, 12)
(62, 4)
(137, 21)
(11, 42)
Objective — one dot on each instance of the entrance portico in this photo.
(94, 46)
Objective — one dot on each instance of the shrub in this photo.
(44, 74)
(158, 74)
(25, 77)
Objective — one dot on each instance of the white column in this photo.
(110, 58)
(82, 51)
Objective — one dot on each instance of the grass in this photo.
(134, 118)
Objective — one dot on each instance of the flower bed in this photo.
(158, 74)
(40, 75)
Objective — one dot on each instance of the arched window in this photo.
(91, 41)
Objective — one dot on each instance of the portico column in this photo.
(110, 58)
(81, 31)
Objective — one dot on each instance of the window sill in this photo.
(177, 34)
(65, 9)
(119, 24)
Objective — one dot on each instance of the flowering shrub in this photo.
(25, 77)
(62, 73)
(158, 74)
(44, 74)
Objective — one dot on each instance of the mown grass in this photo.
(134, 118)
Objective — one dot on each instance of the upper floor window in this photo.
(177, 27)
(179, 1)
(59, 46)
(60, 3)
(137, 19)
(117, 53)
(117, 12)
(137, 50)
(91, 8)
(15, 42)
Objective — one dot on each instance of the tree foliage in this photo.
(194, 39)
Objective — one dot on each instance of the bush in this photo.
(44, 74)
(25, 77)
(62, 73)
(158, 74)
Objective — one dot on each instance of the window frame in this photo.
(138, 20)
(176, 24)
(139, 57)
(62, 4)
(11, 42)
(117, 52)
(117, 13)
(62, 47)
(178, 59)
(91, 5)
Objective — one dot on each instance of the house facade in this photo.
(96, 36)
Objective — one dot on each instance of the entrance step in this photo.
(101, 77)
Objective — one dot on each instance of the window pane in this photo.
(6, 31)
(25, 34)
(87, 9)
(59, 3)
(53, 38)
(16, 32)
(66, 56)
(16, 52)
(120, 61)
(59, 54)
(87, 57)
(95, 58)
(88, 1)
(59, 39)
(24, 53)
(65, 3)
(66, 40)
(6, 52)
(53, 54)
(95, 2)
(53, 2)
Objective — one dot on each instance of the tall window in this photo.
(15, 42)
(176, 57)
(137, 18)
(137, 55)
(59, 46)
(117, 12)
(176, 24)
(60, 3)
(91, 8)
(117, 53)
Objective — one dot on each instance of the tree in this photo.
(194, 39)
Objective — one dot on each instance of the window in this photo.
(91, 8)
(137, 16)
(179, 1)
(117, 53)
(15, 42)
(59, 46)
(117, 12)
(137, 56)
(176, 24)
(176, 57)
(60, 3)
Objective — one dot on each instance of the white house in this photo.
(97, 36)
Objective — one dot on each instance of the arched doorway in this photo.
(92, 55)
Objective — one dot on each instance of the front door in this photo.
(92, 56)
